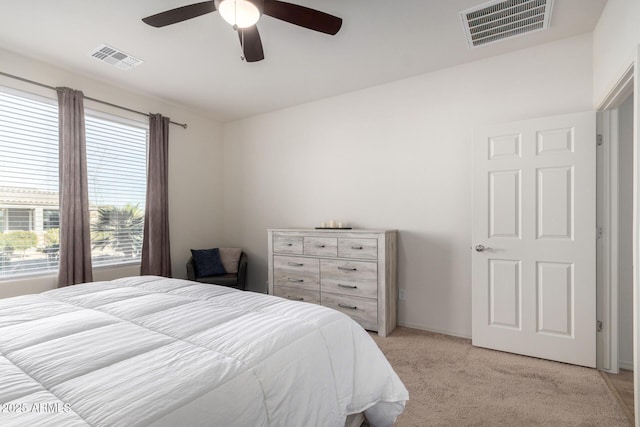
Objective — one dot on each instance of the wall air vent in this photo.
(115, 57)
(499, 20)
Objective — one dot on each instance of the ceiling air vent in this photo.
(115, 57)
(498, 20)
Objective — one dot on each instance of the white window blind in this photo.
(116, 169)
(28, 183)
(29, 211)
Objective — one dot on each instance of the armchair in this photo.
(233, 280)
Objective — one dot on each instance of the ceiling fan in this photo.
(243, 16)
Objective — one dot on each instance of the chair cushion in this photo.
(230, 258)
(225, 280)
(207, 262)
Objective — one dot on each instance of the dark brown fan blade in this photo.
(180, 14)
(303, 16)
(251, 44)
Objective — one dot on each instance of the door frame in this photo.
(607, 243)
(608, 281)
(608, 224)
(636, 239)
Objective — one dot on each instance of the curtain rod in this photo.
(182, 125)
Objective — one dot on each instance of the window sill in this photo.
(54, 273)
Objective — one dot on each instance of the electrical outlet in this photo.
(402, 294)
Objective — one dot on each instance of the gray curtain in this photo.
(156, 257)
(75, 238)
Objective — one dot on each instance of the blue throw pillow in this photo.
(207, 262)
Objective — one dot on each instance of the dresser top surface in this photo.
(330, 230)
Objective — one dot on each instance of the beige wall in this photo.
(395, 156)
(195, 182)
(615, 41)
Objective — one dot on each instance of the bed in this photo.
(164, 352)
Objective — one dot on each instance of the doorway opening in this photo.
(615, 242)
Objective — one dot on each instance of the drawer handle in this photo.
(288, 244)
(319, 246)
(295, 298)
(295, 264)
(347, 268)
(357, 247)
(350, 307)
(347, 286)
(295, 280)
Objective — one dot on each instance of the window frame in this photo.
(90, 109)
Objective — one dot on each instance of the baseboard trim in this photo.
(437, 331)
(624, 364)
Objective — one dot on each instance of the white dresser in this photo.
(353, 271)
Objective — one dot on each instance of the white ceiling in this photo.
(197, 63)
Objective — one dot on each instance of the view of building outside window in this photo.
(29, 203)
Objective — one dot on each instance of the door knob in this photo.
(481, 248)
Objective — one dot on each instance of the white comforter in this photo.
(168, 352)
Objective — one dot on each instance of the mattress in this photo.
(166, 352)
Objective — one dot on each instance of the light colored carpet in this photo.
(452, 383)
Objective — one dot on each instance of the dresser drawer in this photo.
(287, 244)
(349, 270)
(355, 287)
(296, 272)
(297, 294)
(321, 246)
(362, 310)
(357, 248)
(356, 278)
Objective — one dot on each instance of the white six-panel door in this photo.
(534, 226)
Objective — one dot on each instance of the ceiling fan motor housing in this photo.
(240, 13)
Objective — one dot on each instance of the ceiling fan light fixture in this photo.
(244, 14)
(240, 13)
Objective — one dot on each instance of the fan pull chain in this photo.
(235, 14)
(242, 45)
(235, 27)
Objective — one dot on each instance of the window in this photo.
(20, 219)
(50, 219)
(28, 181)
(117, 175)
(29, 216)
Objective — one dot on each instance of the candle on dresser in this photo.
(332, 223)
